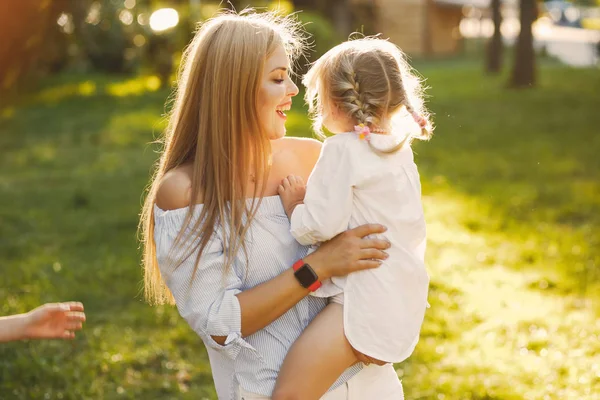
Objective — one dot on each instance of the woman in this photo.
(215, 229)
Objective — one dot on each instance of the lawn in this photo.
(511, 187)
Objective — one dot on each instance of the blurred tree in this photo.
(103, 37)
(160, 54)
(45, 36)
(495, 46)
(587, 3)
(523, 74)
(338, 11)
(322, 35)
(365, 16)
(239, 5)
(31, 40)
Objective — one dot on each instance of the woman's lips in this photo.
(281, 107)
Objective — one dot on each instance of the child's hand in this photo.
(54, 321)
(291, 191)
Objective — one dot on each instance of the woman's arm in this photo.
(226, 314)
(346, 253)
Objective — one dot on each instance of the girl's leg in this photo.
(315, 361)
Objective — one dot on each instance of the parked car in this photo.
(563, 13)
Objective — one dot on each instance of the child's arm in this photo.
(326, 207)
(50, 321)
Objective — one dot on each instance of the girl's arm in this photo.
(322, 209)
(50, 321)
(13, 327)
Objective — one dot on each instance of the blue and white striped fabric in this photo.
(211, 307)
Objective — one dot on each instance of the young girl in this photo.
(363, 92)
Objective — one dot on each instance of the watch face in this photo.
(305, 276)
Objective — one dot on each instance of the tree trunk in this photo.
(365, 12)
(495, 46)
(341, 14)
(25, 27)
(524, 69)
(306, 5)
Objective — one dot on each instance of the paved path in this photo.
(573, 46)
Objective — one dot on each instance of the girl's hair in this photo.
(370, 81)
(214, 126)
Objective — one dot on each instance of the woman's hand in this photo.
(349, 251)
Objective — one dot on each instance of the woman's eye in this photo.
(279, 80)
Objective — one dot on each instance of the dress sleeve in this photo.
(208, 303)
(328, 202)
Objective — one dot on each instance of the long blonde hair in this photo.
(215, 127)
(369, 80)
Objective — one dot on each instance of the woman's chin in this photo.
(277, 134)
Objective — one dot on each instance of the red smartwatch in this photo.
(307, 277)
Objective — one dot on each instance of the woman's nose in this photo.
(292, 89)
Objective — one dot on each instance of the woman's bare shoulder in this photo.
(304, 149)
(300, 144)
(175, 188)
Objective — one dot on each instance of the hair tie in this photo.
(363, 132)
(422, 122)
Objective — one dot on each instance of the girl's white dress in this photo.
(352, 185)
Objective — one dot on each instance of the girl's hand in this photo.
(54, 321)
(292, 191)
(349, 251)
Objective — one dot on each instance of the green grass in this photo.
(511, 185)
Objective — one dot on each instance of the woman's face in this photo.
(275, 94)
